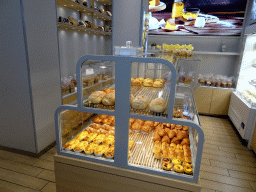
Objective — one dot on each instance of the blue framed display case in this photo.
(137, 156)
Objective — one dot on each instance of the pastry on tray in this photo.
(140, 102)
(71, 144)
(109, 99)
(96, 97)
(148, 83)
(108, 90)
(158, 84)
(158, 105)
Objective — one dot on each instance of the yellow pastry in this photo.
(178, 168)
(188, 170)
(154, 2)
(169, 25)
(131, 143)
(81, 146)
(167, 166)
(71, 144)
(176, 162)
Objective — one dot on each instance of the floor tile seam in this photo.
(230, 184)
(231, 142)
(213, 172)
(251, 184)
(21, 185)
(239, 177)
(21, 173)
(231, 164)
(18, 161)
(242, 163)
(220, 153)
(228, 146)
(44, 186)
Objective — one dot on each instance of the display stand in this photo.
(80, 172)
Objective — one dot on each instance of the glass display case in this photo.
(246, 86)
(127, 124)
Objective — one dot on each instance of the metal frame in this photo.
(122, 115)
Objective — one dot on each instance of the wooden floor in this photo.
(227, 165)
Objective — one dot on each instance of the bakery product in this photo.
(176, 162)
(188, 170)
(96, 97)
(185, 141)
(146, 129)
(178, 168)
(157, 105)
(149, 123)
(131, 98)
(158, 84)
(167, 166)
(136, 82)
(141, 122)
(136, 127)
(148, 83)
(154, 2)
(170, 25)
(166, 139)
(156, 137)
(97, 120)
(161, 132)
(109, 99)
(171, 134)
(140, 102)
(108, 90)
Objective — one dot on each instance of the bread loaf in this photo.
(109, 99)
(96, 97)
(157, 105)
(140, 102)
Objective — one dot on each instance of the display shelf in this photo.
(215, 53)
(102, 16)
(210, 87)
(75, 6)
(81, 28)
(104, 2)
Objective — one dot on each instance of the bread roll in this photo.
(158, 84)
(109, 99)
(137, 82)
(148, 83)
(166, 139)
(96, 97)
(158, 105)
(140, 102)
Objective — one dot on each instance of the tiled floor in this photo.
(227, 165)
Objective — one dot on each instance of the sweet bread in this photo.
(109, 99)
(140, 102)
(149, 123)
(176, 162)
(156, 124)
(71, 144)
(158, 84)
(157, 105)
(97, 120)
(96, 97)
(178, 168)
(167, 130)
(158, 155)
(178, 127)
(136, 126)
(148, 83)
(180, 136)
(136, 82)
(166, 139)
(107, 121)
(108, 90)
(171, 134)
(156, 137)
(161, 80)
(173, 145)
(139, 121)
(188, 170)
(185, 141)
(173, 126)
(167, 166)
(175, 140)
(185, 128)
(187, 164)
(179, 146)
(146, 129)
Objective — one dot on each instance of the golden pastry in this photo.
(185, 141)
(71, 144)
(97, 120)
(158, 155)
(146, 129)
(178, 168)
(141, 122)
(178, 127)
(158, 105)
(187, 163)
(156, 137)
(161, 132)
(173, 126)
(108, 90)
(103, 116)
(166, 139)
(176, 162)
(167, 166)
(179, 146)
(166, 160)
(96, 97)
(109, 154)
(173, 144)
(171, 134)
(175, 140)
(136, 126)
(149, 123)
(188, 170)
(156, 124)
(131, 143)
(158, 84)
(95, 126)
(185, 128)
(185, 147)
(188, 159)
(81, 146)
(148, 83)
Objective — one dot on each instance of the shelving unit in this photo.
(215, 53)
(89, 11)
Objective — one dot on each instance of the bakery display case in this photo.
(242, 109)
(127, 125)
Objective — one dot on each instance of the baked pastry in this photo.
(173, 126)
(175, 140)
(95, 125)
(141, 122)
(178, 168)
(166, 139)
(167, 166)
(109, 99)
(166, 160)
(137, 82)
(136, 127)
(108, 90)
(131, 98)
(156, 124)
(157, 105)
(149, 123)
(161, 80)
(154, 2)
(131, 143)
(161, 132)
(80, 146)
(96, 97)
(158, 155)
(146, 129)
(176, 162)
(107, 121)
(187, 164)
(179, 146)
(188, 170)
(185, 128)
(173, 145)
(109, 154)
(171, 134)
(156, 137)
(185, 147)
(178, 127)
(158, 84)
(185, 141)
(97, 120)
(71, 144)
(140, 102)
(148, 83)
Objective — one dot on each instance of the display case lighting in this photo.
(72, 5)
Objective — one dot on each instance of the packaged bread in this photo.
(109, 99)
(140, 102)
(96, 97)
(158, 105)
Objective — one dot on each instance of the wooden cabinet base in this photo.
(78, 175)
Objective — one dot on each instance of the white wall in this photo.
(74, 44)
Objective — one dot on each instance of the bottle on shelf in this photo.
(177, 8)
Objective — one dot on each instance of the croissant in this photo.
(176, 131)
(146, 128)
(167, 130)
(185, 146)
(161, 132)
(175, 140)
(179, 146)
(139, 121)
(180, 136)
(111, 133)
(185, 141)
(178, 127)
(173, 126)
(149, 123)
(156, 137)
(106, 121)
(113, 123)
(160, 126)
(136, 126)
(185, 128)
(171, 134)
(166, 139)
(103, 116)
(97, 120)
(156, 124)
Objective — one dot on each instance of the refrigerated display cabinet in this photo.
(242, 110)
(118, 131)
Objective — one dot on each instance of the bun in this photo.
(109, 99)
(156, 124)
(140, 102)
(103, 116)
(136, 82)
(139, 121)
(158, 84)
(148, 83)
(149, 123)
(158, 105)
(136, 126)
(108, 90)
(166, 139)
(96, 97)
(175, 140)
(97, 120)
(161, 132)
(156, 137)
(185, 141)
(146, 128)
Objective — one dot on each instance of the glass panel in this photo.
(149, 85)
(168, 147)
(87, 133)
(98, 84)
